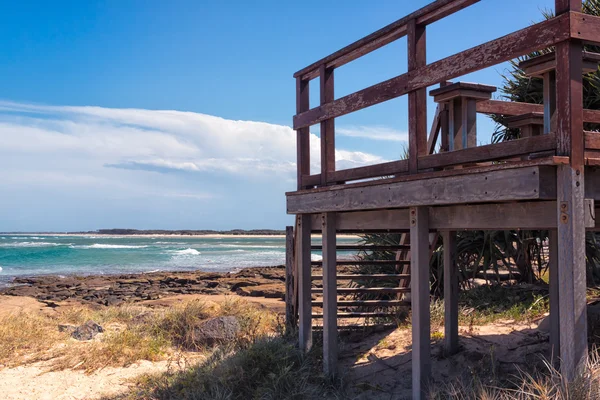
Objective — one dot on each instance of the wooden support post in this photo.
(549, 101)
(417, 100)
(421, 335)
(302, 134)
(330, 350)
(327, 126)
(570, 199)
(450, 293)
(290, 293)
(304, 282)
(554, 300)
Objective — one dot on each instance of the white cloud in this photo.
(374, 133)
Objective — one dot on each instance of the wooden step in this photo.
(358, 315)
(365, 262)
(366, 290)
(363, 276)
(366, 303)
(365, 247)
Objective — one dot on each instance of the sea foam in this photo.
(187, 252)
(108, 246)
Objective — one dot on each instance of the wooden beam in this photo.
(424, 16)
(366, 276)
(516, 108)
(435, 129)
(417, 100)
(304, 283)
(549, 102)
(495, 186)
(498, 216)
(490, 152)
(327, 126)
(369, 171)
(330, 346)
(585, 27)
(420, 321)
(366, 290)
(367, 303)
(535, 37)
(450, 293)
(290, 311)
(302, 134)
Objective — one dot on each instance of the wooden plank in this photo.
(554, 293)
(370, 171)
(365, 276)
(424, 16)
(592, 140)
(347, 247)
(516, 108)
(585, 27)
(366, 303)
(304, 283)
(417, 100)
(330, 346)
(327, 126)
(358, 314)
(435, 129)
(562, 6)
(535, 37)
(450, 293)
(363, 262)
(550, 102)
(302, 134)
(527, 183)
(420, 321)
(488, 152)
(503, 216)
(290, 311)
(366, 290)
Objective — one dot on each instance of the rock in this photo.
(67, 328)
(87, 331)
(217, 330)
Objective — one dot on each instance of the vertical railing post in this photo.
(290, 293)
(417, 100)
(450, 293)
(330, 333)
(302, 134)
(327, 126)
(303, 268)
(570, 202)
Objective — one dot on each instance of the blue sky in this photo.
(87, 143)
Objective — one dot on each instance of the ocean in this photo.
(29, 255)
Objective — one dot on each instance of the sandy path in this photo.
(31, 382)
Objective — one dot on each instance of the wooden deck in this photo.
(547, 179)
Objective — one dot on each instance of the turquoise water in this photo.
(28, 255)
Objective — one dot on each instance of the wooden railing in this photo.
(415, 82)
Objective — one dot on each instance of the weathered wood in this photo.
(366, 303)
(562, 6)
(435, 129)
(417, 100)
(290, 311)
(550, 102)
(304, 283)
(498, 216)
(554, 293)
(592, 140)
(421, 341)
(330, 349)
(571, 271)
(363, 262)
(424, 16)
(365, 276)
(359, 314)
(366, 290)
(516, 108)
(501, 185)
(585, 27)
(302, 134)
(327, 126)
(535, 37)
(369, 171)
(488, 152)
(363, 247)
(450, 293)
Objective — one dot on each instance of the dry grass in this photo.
(545, 384)
(132, 333)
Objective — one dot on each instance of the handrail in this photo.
(424, 16)
(516, 108)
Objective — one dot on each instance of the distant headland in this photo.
(163, 232)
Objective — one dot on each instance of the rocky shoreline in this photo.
(111, 290)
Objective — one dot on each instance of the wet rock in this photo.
(87, 331)
(217, 330)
